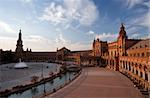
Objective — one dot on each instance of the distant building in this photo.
(28, 55)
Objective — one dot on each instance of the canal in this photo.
(49, 86)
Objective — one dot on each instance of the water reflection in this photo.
(50, 86)
(34, 90)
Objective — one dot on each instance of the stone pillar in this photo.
(143, 75)
(134, 70)
(139, 71)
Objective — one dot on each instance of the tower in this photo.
(122, 32)
(19, 47)
(121, 41)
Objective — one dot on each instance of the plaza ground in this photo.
(99, 83)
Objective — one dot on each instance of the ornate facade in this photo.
(129, 56)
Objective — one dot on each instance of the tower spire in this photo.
(122, 31)
(19, 46)
(20, 35)
(122, 27)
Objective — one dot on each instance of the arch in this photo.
(146, 76)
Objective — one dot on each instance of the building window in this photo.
(142, 54)
(133, 70)
(129, 68)
(140, 46)
(134, 54)
(138, 55)
(137, 72)
(90, 61)
(141, 74)
(148, 54)
(146, 76)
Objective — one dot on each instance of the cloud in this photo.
(90, 32)
(54, 13)
(79, 46)
(132, 3)
(26, 1)
(40, 43)
(141, 18)
(7, 43)
(103, 36)
(144, 20)
(147, 4)
(107, 36)
(81, 11)
(139, 21)
(60, 42)
(5, 28)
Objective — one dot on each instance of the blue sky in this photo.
(48, 24)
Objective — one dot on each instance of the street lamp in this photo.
(42, 75)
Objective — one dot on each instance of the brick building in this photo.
(129, 56)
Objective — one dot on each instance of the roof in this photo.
(81, 51)
(63, 48)
(141, 44)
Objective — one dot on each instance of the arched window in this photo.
(146, 76)
(133, 70)
(137, 72)
(129, 68)
(143, 54)
(141, 74)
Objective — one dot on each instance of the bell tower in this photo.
(19, 46)
(121, 41)
(122, 32)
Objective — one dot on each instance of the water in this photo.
(22, 76)
(49, 86)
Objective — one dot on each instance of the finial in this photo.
(94, 39)
(27, 49)
(20, 31)
(122, 26)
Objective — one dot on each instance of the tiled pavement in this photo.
(98, 83)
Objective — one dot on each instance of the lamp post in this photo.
(43, 78)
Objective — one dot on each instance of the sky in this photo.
(50, 24)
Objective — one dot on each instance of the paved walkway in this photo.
(99, 83)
